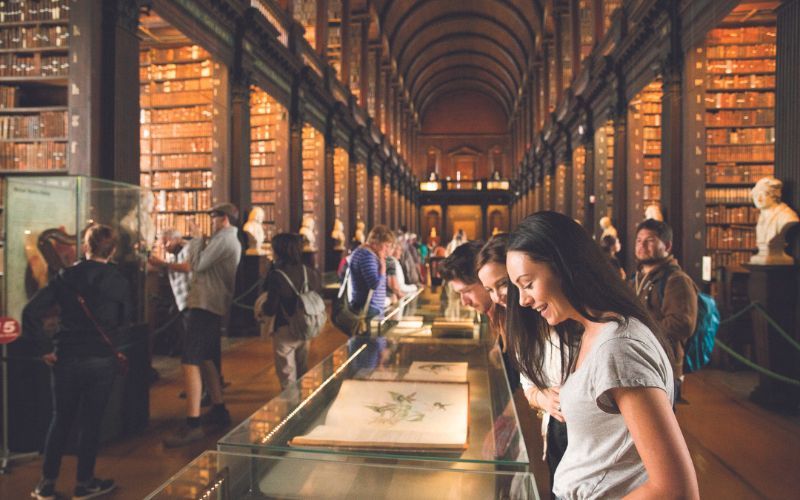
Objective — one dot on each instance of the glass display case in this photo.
(227, 476)
(438, 403)
(44, 219)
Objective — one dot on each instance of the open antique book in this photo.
(394, 415)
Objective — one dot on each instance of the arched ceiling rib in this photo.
(416, 81)
(447, 45)
(463, 71)
(474, 84)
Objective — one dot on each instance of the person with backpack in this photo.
(668, 293)
(293, 298)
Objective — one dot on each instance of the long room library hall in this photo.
(399, 249)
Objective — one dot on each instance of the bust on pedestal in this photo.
(654, 212)
(774, 222)
(254, 227)
(338, 235)
(307, 231)
(359, 235)
(608, 228)
(773, 284)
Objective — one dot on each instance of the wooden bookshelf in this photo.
(305, 13)
(645, 149)
(740, 137)
(604, 169)
(548, 192)
(341, 162)
(335, 36)
(180, 157)
(377, 206)
(361, 195)
(561, 189)
(34, 72)
(579, 184)
(269, 143)
(355, 61)
(313, 171)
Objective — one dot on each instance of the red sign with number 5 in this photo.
(9, 330)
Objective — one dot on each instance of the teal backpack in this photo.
(698, 349)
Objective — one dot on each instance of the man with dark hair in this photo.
(213, 264)
(668, 293)
(459, 271)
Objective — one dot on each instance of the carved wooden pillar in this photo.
(240, 136)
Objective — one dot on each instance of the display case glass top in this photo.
(432, 402)
(231, 475)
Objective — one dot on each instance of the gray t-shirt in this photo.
(601, 460)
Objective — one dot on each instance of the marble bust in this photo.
(254, 227)
(775, 220)
(359, 235)
(608, 228)
(338, 235)
(307, 231)
(654, 212)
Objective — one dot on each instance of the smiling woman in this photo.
(617, 394)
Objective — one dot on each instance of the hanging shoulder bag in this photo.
(343, 316)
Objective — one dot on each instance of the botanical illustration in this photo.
(436, 368)
(401, 409)
(394, 414)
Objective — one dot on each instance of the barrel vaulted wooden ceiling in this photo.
(444, 46)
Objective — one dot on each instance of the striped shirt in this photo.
(178, 280)
(365, 275)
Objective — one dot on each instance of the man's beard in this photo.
(652, 260)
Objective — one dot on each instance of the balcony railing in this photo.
(465, 185)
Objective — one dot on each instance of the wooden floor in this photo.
(739, 450)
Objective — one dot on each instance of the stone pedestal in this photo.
(250, 272)
(310, 258)
(775, 287)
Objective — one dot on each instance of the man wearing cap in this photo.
(213, 264)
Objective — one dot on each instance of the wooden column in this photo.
(240, 144)
(295, 162)
(119, 133)
(620, 177)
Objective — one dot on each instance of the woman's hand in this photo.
(549, 400)
(50, 359)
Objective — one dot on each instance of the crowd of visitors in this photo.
(599, 356)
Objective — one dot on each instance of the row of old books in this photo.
(47, 124)
(33, 65)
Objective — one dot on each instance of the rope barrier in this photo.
(236, 301)
(766, 371)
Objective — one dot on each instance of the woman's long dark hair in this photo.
(286, 248)
(587, 280)
(494, 251)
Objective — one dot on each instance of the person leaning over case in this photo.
(616, 397)
(491, 265)
(83, 365)
(368, 272)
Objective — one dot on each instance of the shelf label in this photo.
(9, 330)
